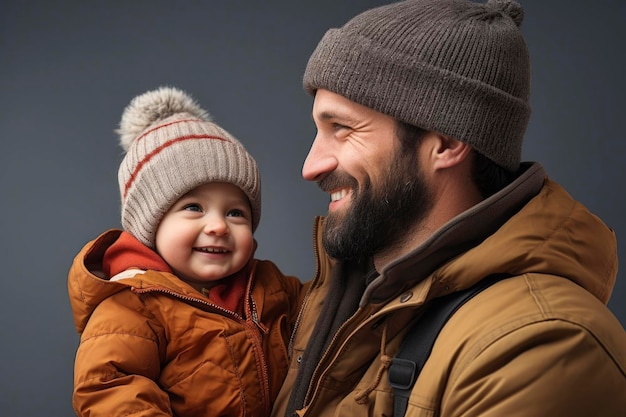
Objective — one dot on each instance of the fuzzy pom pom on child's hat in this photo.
(172, 146)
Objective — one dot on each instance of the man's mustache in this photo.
(336, 180)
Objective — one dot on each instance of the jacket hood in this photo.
(553, 234)
(531, 226)
(87, 287)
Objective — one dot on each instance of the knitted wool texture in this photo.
(455, 67)
(172, 147)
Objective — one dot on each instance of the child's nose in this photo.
(216, 225)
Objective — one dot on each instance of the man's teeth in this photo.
(338, 195)
(212, 250)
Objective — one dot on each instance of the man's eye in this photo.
(339, 126)
(192, 207)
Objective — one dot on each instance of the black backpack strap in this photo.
(418, 342)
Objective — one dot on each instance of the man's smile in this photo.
(338, 195)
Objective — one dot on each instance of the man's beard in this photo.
(378, 217)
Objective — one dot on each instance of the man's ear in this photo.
(449, 152)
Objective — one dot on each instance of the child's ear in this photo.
(255, 245)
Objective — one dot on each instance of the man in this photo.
(420, 108)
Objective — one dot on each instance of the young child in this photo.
(189, 323)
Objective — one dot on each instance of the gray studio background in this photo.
(67, 70)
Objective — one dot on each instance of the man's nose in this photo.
(320, 161)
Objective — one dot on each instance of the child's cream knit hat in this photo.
(172, 146)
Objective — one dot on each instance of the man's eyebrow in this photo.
(328, 115)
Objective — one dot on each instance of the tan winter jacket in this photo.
(153, 346)
(541, 343)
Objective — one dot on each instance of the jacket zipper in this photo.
(310, 394)
(308, 399)
(251, 311)
(308, 293)
(226, 312)
(258, 352)
(256, 331)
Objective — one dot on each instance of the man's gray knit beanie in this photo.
(456, 67)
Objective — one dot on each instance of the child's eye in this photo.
(192, 207)
(236, 213)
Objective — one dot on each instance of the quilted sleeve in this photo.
(118, 361)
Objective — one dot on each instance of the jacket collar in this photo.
(458, 235)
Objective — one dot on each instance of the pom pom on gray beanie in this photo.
(456, 67)
(172, 146)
